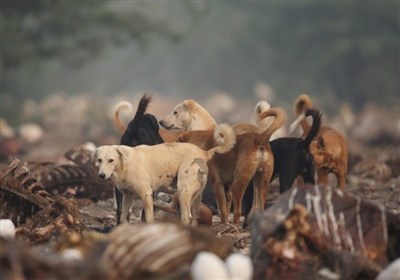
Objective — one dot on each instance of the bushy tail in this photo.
(142, 107)
(302, 103)
(261, 107)
(141, 110)
(225, 139)
(316, 124)
(280, 118)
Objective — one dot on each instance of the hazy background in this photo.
(64, 58)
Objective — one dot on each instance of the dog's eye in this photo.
(110, 160)
(99, 160)
(175, 112)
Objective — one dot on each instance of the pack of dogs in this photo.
(234, 164)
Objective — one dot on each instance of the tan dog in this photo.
(167, 136)
(188, 116)
(329, 147)
(143, 169)
(261, 124)
(250, 158)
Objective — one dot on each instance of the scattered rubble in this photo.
(75, 172)
(313, 230)
(65, 217)
(289, 247)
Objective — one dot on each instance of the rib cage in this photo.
(80, 174)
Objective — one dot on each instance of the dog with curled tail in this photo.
(143, 169)
(329, 147)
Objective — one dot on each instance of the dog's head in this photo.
(109, 159)
(180, 117)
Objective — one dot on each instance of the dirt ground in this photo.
(374, 175)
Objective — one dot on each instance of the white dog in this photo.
(143, 169)
(189, 115)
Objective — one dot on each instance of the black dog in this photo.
(142, 129)
(292, 158)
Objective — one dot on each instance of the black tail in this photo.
(316, 124)
(141, 110)
(130, 136)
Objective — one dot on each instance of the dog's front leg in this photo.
(126, 205)
(147, 199)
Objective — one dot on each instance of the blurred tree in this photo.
(350, 49)
(344, 51)
(75, 31)
(72, 33)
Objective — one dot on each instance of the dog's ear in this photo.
(121, 153)
(189, 104)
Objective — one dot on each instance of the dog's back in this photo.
(292, 155)
(143, 128)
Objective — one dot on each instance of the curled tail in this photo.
(225, 139)
(261, 107)
(316, 124)
(280, 118)
(123, 105)
(141, 110)
(302, 103)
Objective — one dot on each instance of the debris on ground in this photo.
(289, 247)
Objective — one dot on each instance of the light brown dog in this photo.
(329, 147)
(166, 135)
(144, 169)
(187, 116)
(250, 158)
(190, 115)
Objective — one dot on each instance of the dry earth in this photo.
(374, 174)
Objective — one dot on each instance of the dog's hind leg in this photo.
(126, 205)
(146, 195)
(195, 209)
(288, 174)
(323, 178)
(261, 183)
(238, 188)
(228, 197)
(192, 179)
(219, 192)
(341, 178)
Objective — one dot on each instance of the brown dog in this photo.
(329, 147)
(250, 158)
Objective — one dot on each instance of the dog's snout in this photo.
(102, 175)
